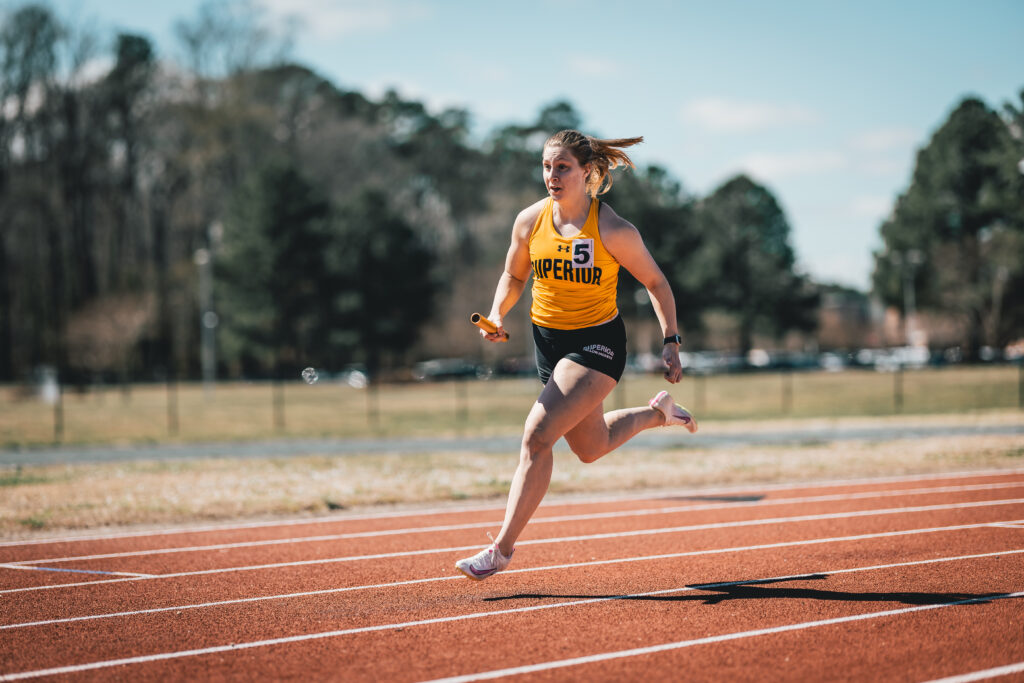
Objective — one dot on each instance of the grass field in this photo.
(39, 500)
(245, 411)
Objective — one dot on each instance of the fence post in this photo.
(172, 405)
(372, 409)
(277, 393)
(787, 392)
(701, 393)
(897, 389)
(58, 414)
(461, 403)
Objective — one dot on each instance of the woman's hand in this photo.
(670, 355)
(498, 335)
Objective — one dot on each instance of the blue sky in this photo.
(824, 102)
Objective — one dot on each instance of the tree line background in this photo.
(233, 195)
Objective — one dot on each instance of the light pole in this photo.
(208, 319)
(908, 262)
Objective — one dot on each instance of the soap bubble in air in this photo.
(309, 374)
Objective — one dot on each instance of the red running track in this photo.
(907, 578)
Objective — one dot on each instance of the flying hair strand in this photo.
(602, 154)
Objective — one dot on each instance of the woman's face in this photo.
(563, 175)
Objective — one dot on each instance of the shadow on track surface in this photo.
(758, 590)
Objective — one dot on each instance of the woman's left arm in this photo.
(623, 242)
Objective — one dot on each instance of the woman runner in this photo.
(573, 244)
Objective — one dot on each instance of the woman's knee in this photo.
(586, 450)
(536, 445)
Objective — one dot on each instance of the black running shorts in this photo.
(601, 348)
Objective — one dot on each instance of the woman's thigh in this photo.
(572, 395)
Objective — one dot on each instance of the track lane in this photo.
(693, 526)
(572, 614)
(606, 519)
(439, 593)
(918, 545)
(927, 643)
(914, 545)
(332, 548)
(544, 552)
(14, 551)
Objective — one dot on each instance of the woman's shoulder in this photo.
(613, 226)
(533, 211)
(528, 216)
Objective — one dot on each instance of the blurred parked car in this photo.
(449, 368)
(519, 366)
(834, 361)
(893, 359)
(708, 362)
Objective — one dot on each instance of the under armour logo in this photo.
(564, 247)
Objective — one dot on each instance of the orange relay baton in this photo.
(485, 324)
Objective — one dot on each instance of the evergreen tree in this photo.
(385, 288)
(1011, 316)
(748, 263)
(272, 273)
(953, 239)
(655, 203)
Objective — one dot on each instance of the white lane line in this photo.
(143, 659)
(591, 563)
(983, 675)
(1010, 525)
(560, 567)
(72, 571)
(552, 501)
(563, 539)
(540, 520)
(665, 647)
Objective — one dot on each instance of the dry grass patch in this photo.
(40, 500)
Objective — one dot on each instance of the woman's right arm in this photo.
(517, 271)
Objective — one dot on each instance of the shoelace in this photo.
(494, 545)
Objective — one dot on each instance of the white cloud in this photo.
(848, 266)
(435, 101)
(722, 115)
(874, 207)
(595, 66)
(886, 152)
(887, 139)
(406, 89)
(335, 18)
(776, 166)
(895, 168)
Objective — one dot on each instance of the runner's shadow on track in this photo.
(759, 590)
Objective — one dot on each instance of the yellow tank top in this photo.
(574, 278)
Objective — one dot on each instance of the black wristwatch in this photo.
(674, 339)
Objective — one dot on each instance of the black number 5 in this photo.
(581, 253)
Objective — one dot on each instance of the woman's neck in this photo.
(572, 211)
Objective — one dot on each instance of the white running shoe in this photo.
(485, 563)
(674, 413)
